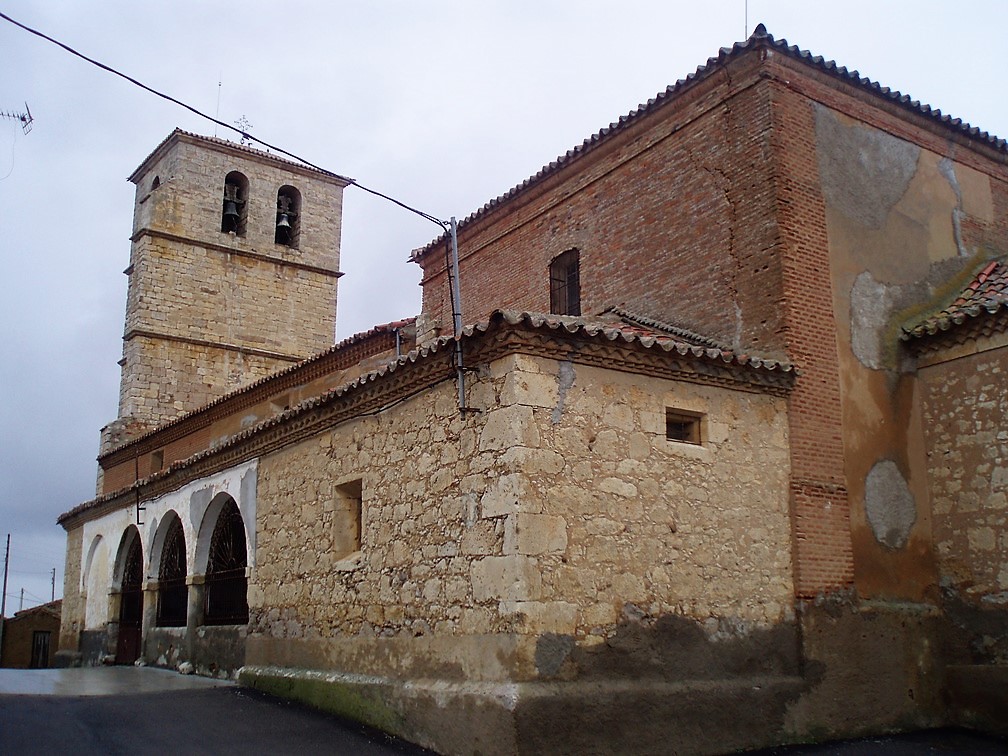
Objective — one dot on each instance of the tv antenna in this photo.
(25, 118)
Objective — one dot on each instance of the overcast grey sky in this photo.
(444, 105)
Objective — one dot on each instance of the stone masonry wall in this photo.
(191, 291)
(613, 513)
(550, 512)
(965, 408)
(175, 377)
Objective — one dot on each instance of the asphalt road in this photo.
(125, 710)
(159, 712)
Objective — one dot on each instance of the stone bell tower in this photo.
(232, 275)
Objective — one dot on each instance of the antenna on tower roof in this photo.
(25, 118)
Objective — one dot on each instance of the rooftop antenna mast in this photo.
(25, 118)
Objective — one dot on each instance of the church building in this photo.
(717, 460)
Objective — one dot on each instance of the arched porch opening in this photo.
(129, 575)
(225, 595)
(172, 593)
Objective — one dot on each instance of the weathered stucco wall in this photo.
(71, 622)
(965, 408)
(562, 509)
(902, 221)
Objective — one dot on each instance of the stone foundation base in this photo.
(633, 716)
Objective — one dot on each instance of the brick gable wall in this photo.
(671, 217)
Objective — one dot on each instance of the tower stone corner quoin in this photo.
(729, 468)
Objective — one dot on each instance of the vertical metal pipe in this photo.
(456, 296)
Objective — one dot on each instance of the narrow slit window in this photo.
(565, 284)
(683, 427)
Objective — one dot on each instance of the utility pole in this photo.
(3, 600)
(21, 605)
(6, 561)
(53, 597)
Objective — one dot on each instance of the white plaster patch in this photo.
(889, 505)
(871, 305)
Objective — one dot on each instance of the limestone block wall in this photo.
(164, 379)
(190, 291)
(558, 509)
(621, 521)
(965, 406)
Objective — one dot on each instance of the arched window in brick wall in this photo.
(234, 213)
(173, 593)
(565, 284)
(288, 217)
(226, 589)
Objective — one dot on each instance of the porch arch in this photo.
(128, 580)
(222, 554)
(171, 565)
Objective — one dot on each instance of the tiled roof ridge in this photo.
(345, 343)
(985, 294)
(611, 331)
(759, 38)
(677, 331)
(252, 151)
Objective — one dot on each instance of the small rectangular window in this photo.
(565, 284)
(157, 460)
(682, 426)
(348, 513)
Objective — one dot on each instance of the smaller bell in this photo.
(283, 229)
(231, 212)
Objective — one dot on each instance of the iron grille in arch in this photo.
(226, 589)
(131, 608)
(173, 593)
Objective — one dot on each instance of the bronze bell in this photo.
(283, 229)
(231, 212)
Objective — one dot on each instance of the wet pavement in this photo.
(142, 710)
(101, 681)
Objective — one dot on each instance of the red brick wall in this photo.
(819, 504)
(672, 217)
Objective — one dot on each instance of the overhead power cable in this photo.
(445, 225)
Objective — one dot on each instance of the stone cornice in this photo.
(223, 248)
(140, 333)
